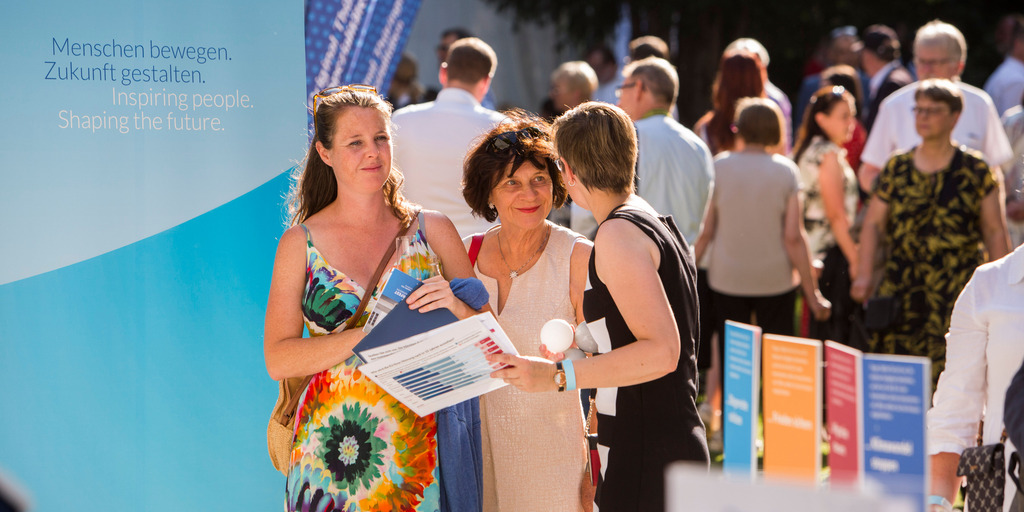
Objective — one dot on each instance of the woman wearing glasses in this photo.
(830, 202)
(933, 206)
(642, 308)
(534, 270)
(355, 447)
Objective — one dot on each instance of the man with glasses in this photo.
(940, 51)
(674, 167)
(431, 139)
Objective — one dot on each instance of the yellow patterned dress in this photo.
(356, 448)
(934, 237)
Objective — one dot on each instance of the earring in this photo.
(490, 205)
(572, 183)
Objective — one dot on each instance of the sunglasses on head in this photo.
(506, 140)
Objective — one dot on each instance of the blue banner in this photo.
(896, 394)
(145, 155)
(740, 406)
(355, 41)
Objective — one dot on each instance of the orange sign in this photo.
(792, 407)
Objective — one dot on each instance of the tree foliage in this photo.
(698, 31)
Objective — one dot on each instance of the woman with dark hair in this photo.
(830, 202)
(535, 271)
(642, 309)
(933, 205)
(846, 77)
(355, 447)
(740, 75)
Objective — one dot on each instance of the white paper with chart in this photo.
(442, 367)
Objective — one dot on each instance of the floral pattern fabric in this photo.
(933, 232)
(356, 447)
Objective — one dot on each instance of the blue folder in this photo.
(402, 323)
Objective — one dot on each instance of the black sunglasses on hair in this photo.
(506, 140)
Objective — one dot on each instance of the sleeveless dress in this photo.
(356, 448)
(533, 443)
(644, 427)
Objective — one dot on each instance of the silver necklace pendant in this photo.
(513, 274)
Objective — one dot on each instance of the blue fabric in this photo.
(458, 431)
(1013, 409)
(460, 456)
(471, 291)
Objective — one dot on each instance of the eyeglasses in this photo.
(930, 111)
(506, 140)
(319, 97)
(618, 90)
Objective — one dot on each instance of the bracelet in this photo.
(570, 375)
(940, 501)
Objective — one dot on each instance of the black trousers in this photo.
(835, 286)
(774, 316)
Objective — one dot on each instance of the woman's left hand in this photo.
(530, 374)
(435, 293)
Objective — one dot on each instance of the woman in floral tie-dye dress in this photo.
(356, 448)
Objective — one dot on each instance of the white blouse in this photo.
(984, 349)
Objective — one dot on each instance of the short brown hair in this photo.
(470, 60)
(485, 167)
(759, 121)
(658, 75)
(598, 141)
(941, 90)
(648, 46)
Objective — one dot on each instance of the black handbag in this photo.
(985, 469)
(880, 313)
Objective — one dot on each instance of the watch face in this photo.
(560, 377)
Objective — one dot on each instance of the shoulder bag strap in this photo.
(293, 401)
(474, 247)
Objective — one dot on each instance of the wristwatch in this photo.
(559, 376)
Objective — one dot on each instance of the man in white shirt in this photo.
(1006, 84)
(674, 167)
(432, 139)
(939, 52)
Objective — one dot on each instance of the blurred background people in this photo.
(431, 139)
(844, 47)
(940, 51)
(880, 60)
(740, 75)
(405, 88)
(846, 77)
(1006, 84)
(933, 206)
(572, 83)
(1013, 123)
(829, 189)
(753, 230)
(774, 93)
(602, 59)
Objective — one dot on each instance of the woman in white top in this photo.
(830, 202)
(983, 351)
(534, 452)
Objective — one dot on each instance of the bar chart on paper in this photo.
(463, 368)
(441, 367)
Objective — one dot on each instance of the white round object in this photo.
(575, 354)
(556, 335)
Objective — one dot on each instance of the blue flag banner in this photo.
(355, 41)
(896, 394)
(741, 405)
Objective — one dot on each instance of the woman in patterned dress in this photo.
(830, 202)
(355, 447)
(933, 206)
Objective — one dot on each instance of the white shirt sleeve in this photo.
(959, 397)
(997, 145)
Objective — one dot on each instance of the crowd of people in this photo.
(857, 213)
